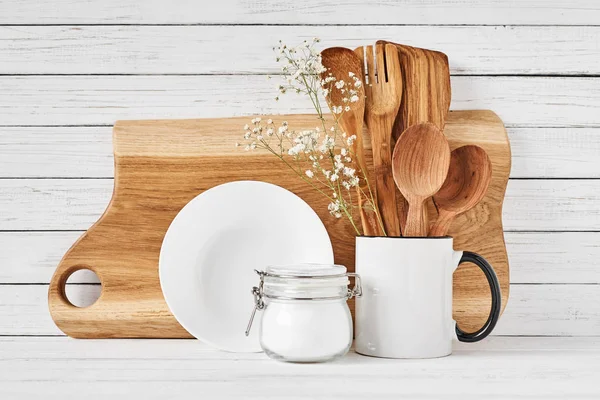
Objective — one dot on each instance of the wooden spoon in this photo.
(341, 62)
(420, 164)
(468, 178)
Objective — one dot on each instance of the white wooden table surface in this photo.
(70, 68)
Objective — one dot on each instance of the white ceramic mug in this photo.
(406, 307)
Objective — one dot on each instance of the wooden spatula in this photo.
(420, 164)
(426, 94)
(383, 90)
(468, 178)
(342, 62)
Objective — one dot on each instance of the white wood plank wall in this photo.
(69, 69)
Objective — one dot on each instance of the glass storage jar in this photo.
(305, 312)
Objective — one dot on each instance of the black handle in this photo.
(489, 325)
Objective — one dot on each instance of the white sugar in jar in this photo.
(305, 312)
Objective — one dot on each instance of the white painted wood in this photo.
(32, 257)
(88, 100)
(56, 152)
(500, 368)
(501, 12)
(535, 257)
(75, 152)
(478, 50)
(63, 204)
(541, 310)
(552, 205)
(553, 257)
(75, 204)
(554, 152)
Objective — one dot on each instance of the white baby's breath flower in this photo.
(349, 172)
(343, 151)
(247, 135)
(357, 84)
(309, 173)
(351, 74)
(334, 177)
(246, 127)
(347, 108)
(351, 140)
(340, 84)
(354, 99)
(259, 137)
(269, 121)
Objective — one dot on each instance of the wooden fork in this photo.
(383, 91)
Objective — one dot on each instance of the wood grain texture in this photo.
(465, 186)
(535, 257)
(420, 165)
(487, 12)
(52, 151)
(56, 152)
(90, 100)
(472, 50)
(510, 368)
(157, 175)
(425, 98)
(383, 90)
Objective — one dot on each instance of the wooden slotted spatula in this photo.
(426, 95)
(343, 64)
(383, 91)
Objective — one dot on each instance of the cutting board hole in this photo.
(83, 288)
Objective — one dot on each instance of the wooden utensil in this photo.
(426, 91)
(420, 165)
(341, 62)
(160, 165)
(383, 91)
(426, 95)
(467, 182)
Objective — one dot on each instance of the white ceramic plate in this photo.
(215, 243)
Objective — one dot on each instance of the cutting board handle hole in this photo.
(82, 288)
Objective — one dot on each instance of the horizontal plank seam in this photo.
(511, 283)
(225, 24)
(245, 74)
(515, 126)
(491, 335)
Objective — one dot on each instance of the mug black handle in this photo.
(489, 325)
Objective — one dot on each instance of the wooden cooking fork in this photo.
(383, 93)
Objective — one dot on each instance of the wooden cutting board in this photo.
(161, 165)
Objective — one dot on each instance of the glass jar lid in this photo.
(306, 281)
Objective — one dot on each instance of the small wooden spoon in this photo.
(467, 182)
(420, 164)
(340, 62)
